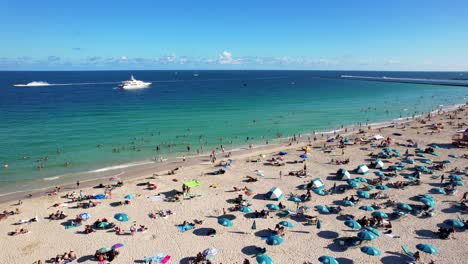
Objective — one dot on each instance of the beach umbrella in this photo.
(372, 251)
(210, 253)
(361, 179)
(250, 192)
(303, 156)
(263, 259)
(427, 201)
(129, 196)
(426, 161)
(427, 248)
(352, 224)
(121, 217)
(286, 224)
(379, 173)
(99, 196)
(382, 187)
(348, 203)
(274, 240)
(404, 206)
(275, 194)
(366, 235)
(295, 199)
(103, 225)
(455, 156)
(363, 194)
(85, 216)
(379, 214)
(421, 155)
(353, 183)
(225, 222)
(245, 209)
(438, 190)
(254, 225)
(458, 183)
(410, 178)
(117, 246)
(409, 160)
(272, 207)
(328, 260)
(367, 208)
(322, 209)
(104, 250)
(455, 177)
(373, 230)
(446, 161)
(454, 223)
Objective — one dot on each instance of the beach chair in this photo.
(407, 252)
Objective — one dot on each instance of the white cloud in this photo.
(227, 58)
(123, 58)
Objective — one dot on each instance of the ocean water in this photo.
(91, 125)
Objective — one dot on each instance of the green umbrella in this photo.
(427, 248)
(379, 214)
(372, 251)
(352, 224)
(366, 235)
(367, 208)
(286, 224)
(328, 260)
(263, 259)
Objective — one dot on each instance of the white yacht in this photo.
(133, 84)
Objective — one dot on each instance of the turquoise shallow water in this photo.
(68, 122)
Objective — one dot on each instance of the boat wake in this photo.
(33, 84)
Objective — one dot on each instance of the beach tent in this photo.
(343, 174)
(192, 183)
(362, 169)
(317, 183)
(275, 194)
(379, 164)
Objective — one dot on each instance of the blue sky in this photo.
(150, 34)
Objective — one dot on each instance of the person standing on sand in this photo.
(442, 178)
(183, 158)
(281, 175)
(77, 184)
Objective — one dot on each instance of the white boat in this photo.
(133, 84)
(32, 84)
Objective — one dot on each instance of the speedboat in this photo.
(133, 84)
(32, 84)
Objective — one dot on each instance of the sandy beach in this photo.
(303, 243)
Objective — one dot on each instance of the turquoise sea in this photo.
(83, 120)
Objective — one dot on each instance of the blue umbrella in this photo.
(379, 214)
(348, 203)
(361, 179)
(352, 224)
(272, 207)
(117, 246)
(446, 161)
(455, 177)
(328, 260)
(458, 183)
(129, 196)
(382, 187)
(367, 208)
(353, 183)
(274, 240)
(427, 248)
(363, 194)
(99, 196)
(409, 160)
(372, 251)
(295, 199)
(427, 202)
(366, 235)
(225, 222)
(121, 217)
(404, 206)
(283, 153)
(286, 224)
(263, 259)
(373, 230)
(454, 223)
(379, 173)
(245, 209)
(455, 156)
(438, 190)
(85, 216)
(322, 209)
(303, 156)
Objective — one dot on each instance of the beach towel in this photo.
(185, 227)
(192, 183)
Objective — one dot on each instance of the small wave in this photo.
(52, 178)
(123, 166)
